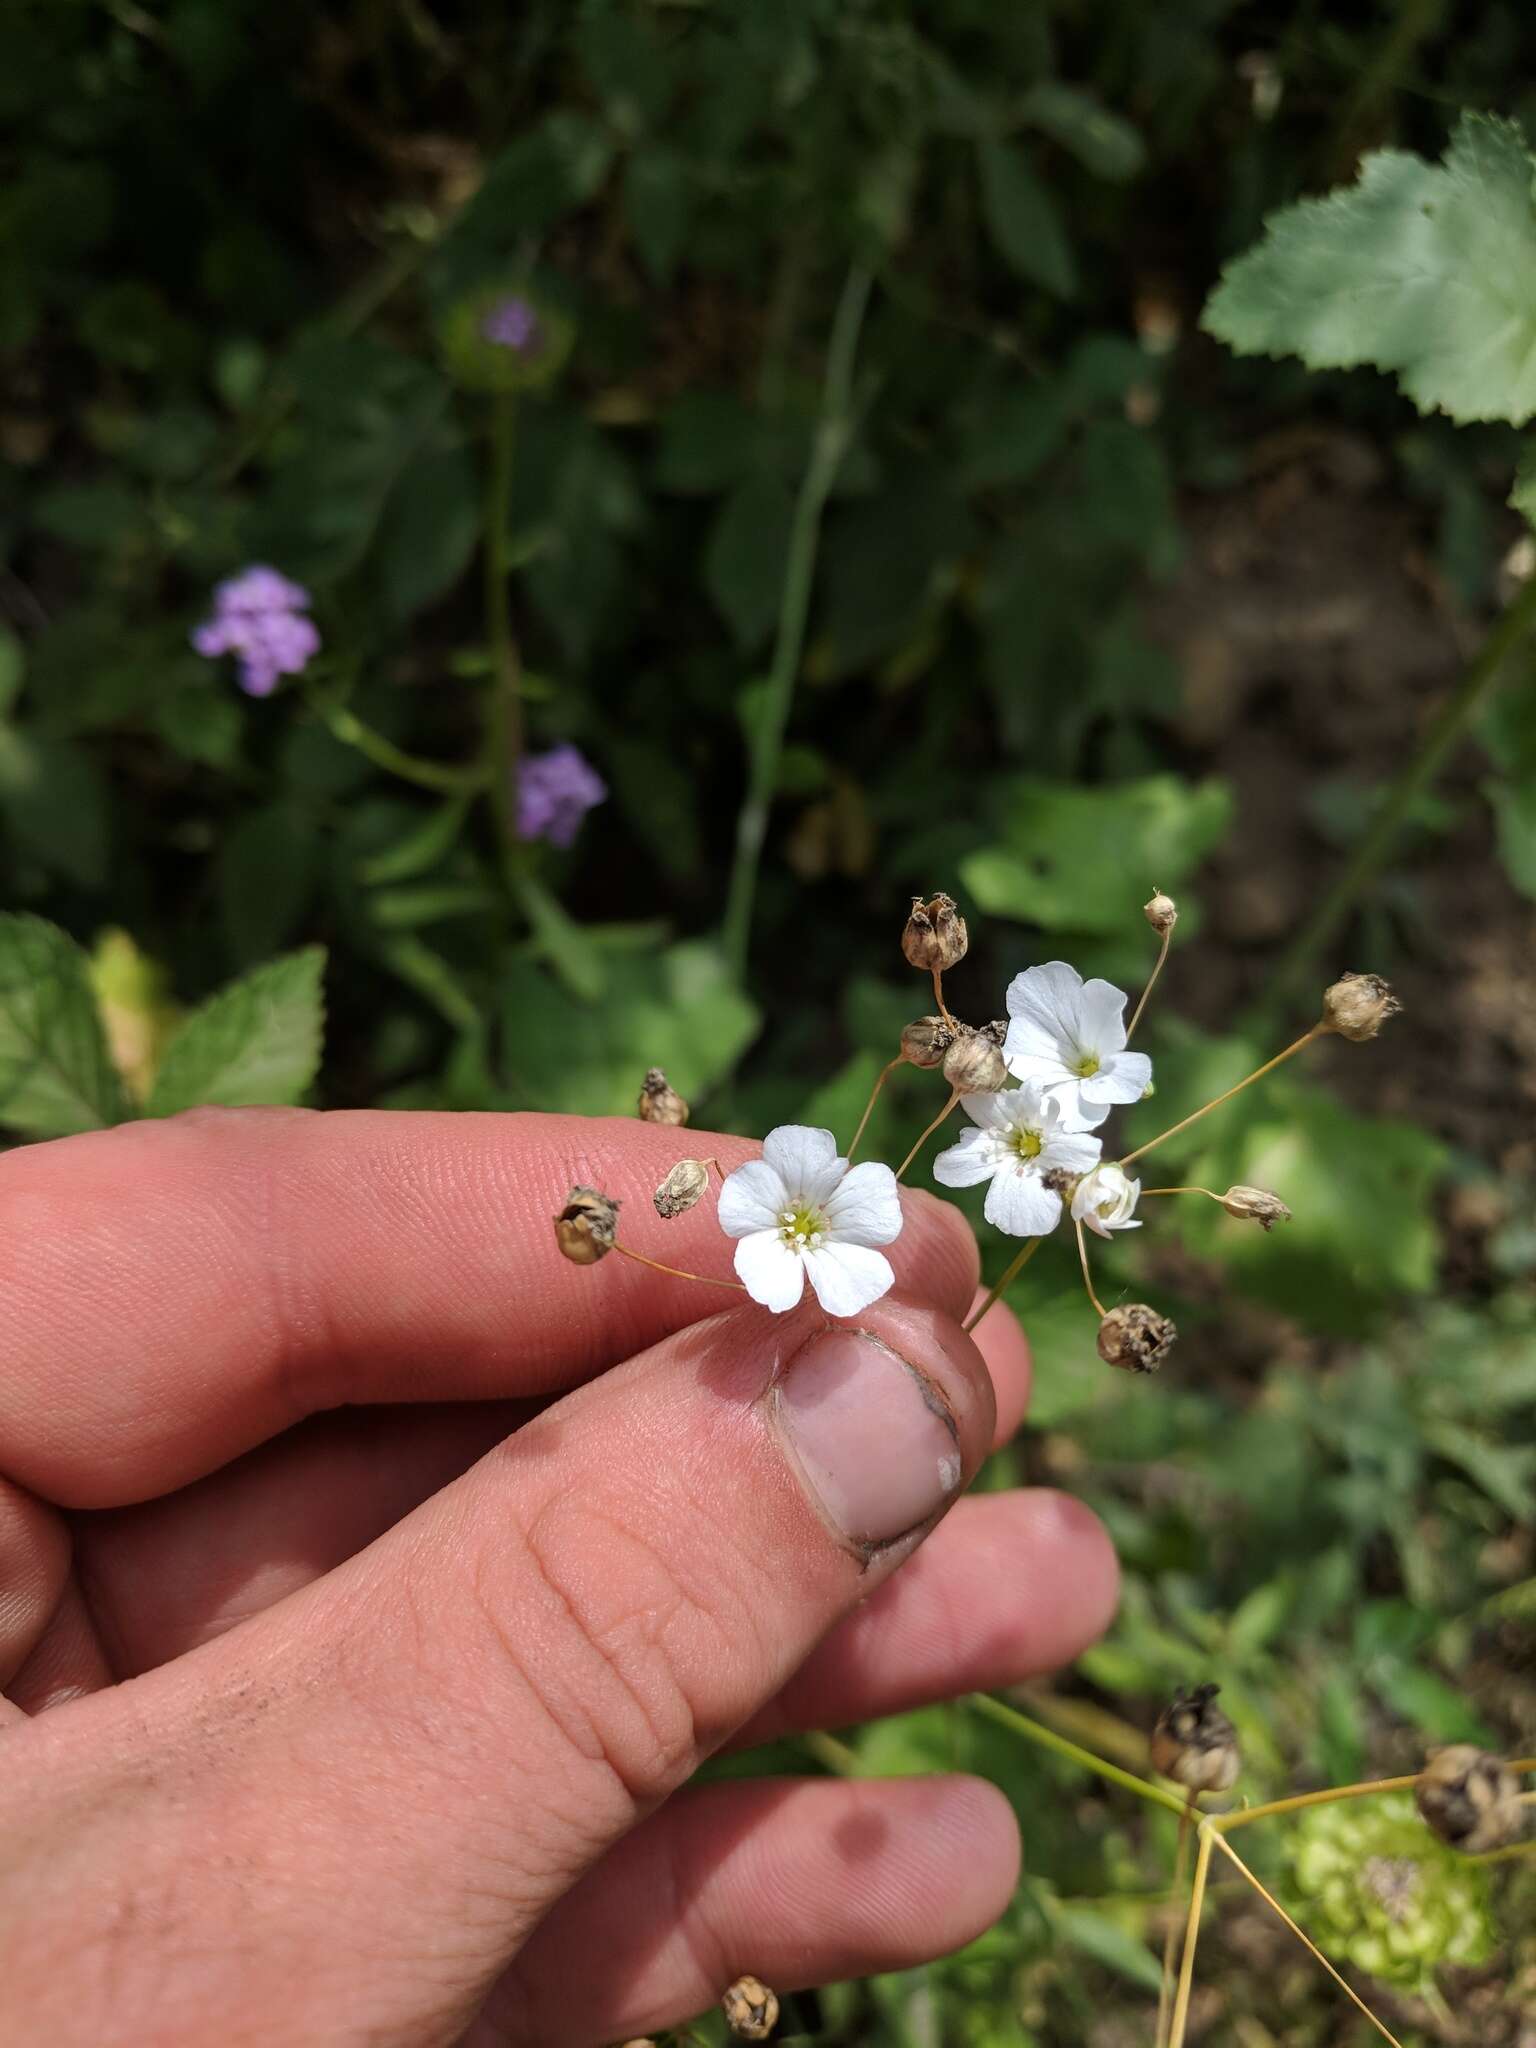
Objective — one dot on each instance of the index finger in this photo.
(174, 1292)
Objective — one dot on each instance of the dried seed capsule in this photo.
(925, 1041)
(681, 1188)
(1358, 1005)
(1470, 1799)
(997, 1030)
(1162, 913)
(1195, 1744)
(974, 1066)
(935, 935)
(586, 1227)
(659, 1101)
(1136, 1337)
(751, 2009)
(1255, 1205)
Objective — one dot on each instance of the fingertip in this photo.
(973, 1835)
(936, 1256)
(1076, 1534)
(1000, 1339)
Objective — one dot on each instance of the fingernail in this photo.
(873, 1442)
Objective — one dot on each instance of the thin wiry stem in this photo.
(1171, 1938)
(1130, 1031)
(885, 1074)
(1224, 1822)
(1082, 1253)
(1237, 1089)
(1311, 1947)
(1047, 1738)
(938, 995)
(1011, 1272)
(1182, 1191)
(927, 1134)
(1191, 1940)
(676, 1272)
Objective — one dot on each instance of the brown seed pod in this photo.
(751, 2009)
(935, 937)
(1357, 1006)
(1470, 1799)
(1195, 1744)
(1162, 913)
(659, 1101)
(925, 1041)
(587, 1226)
(1136, 1337)
(1255, 1205)
(974, 1066)
(997, 1030)
(681, 1189)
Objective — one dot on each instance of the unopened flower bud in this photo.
(1358, 1005)
(1255, 1205)
(1136, 1337)
(681, 1188)
(659, 1101)
(925, 1041)
(935, 935)
(1470, 1799)
(1162, 913)
(586, 1227)
(1195, 1744)
(974, 1066)
(751, 2009)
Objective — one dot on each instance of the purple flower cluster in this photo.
(512, 323)
(554, 793)
(259, 617)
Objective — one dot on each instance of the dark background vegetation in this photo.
(1096, 608)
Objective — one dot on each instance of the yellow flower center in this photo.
(802, 1228)
(1086, 1065)
(1027, 1144)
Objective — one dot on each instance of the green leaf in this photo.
(53, 797)
(1086, 859)
(256, 1041)
(1522, 495)
(428, 530)
(266, 876)
(1436, 1709)
(745, 556)
(56, 1075)
(1095, 1934)
(659, 204)
(1101, 141)
(1022, 220)
(1514, 818)
(1425, 270)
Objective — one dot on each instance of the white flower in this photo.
(1021, 1137)
(1068, 1035)
(801, 1210)
(1106, 1199)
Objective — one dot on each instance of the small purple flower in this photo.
(512, 323)
(554, 793)
(258, 616)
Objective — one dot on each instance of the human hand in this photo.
(371, 1580)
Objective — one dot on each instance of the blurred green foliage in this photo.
(237, 246)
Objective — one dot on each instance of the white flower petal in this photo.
(974, 1157)
(1123, 1078)
(1048, 999)
(1072, 1151)
(865, 1206)
(1103, 1017)
(754, 1198)
(770, 1271)
(1020, 1203)
(1106, 1200)
(991, 1112)
(806, 1160)
(848, 1277)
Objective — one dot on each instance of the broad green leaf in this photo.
(1086, 859)
(256, 1041)
(677, 1009)
(429, 527)
(1514, 817)
(1438, 1710)
(1102, 142)
(559, 939)
(1022, 219)
(1425, 270)
(745, 555)
(56, 1075)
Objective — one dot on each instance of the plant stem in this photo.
(1170, 1939)
(928, 1133)
(1047, 1738)
(1371, 854)
(1223, 1822)
(676, 1272)
(1011, 1272)
(1311, 1946)
(938, 994)
(441, 776)
(1238, 1087)
(1181, 1191)
(1082, 1254)
(504, 725)
(1151, 984)
(1191, 1939)
(885, 1074)
(832, 434)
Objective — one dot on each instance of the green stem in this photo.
(504, 726)
(1047, 1738)
(1009, 1274)
(351, 731)
(828, 446)
(1371, 855)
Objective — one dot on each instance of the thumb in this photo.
(416, 1756)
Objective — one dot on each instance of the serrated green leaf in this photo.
(256, 1041)
(1425, 270)
(1022, 220)
(56, 1075)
